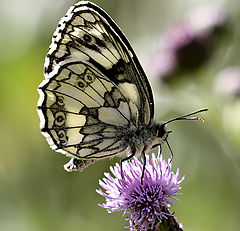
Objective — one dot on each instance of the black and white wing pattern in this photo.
(95, 94)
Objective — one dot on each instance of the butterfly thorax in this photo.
(143, 138)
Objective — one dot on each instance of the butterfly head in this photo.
(161, 132)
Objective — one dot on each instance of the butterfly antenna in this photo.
(170, 151)
(188, 116)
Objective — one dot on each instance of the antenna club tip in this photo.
(202, 119)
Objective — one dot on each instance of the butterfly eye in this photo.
(60, 101)
(81, 84)
(59, 118)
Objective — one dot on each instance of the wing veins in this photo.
(105, 149)
(103, 29)
(70, 35)
(100, 157)
(117, 46)
(99, 32)
(89, 84)
(61, 110)
(67, 96)
(88, 142)
(115, 104)
(118, 152)
(83, 126)
(109, 36)
(80, 90)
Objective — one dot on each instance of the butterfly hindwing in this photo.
(94, 87)
(84, 113)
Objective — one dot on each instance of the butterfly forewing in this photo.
(95, 87)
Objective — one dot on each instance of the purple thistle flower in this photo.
(146, 204)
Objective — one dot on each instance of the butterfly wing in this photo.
(95, 87)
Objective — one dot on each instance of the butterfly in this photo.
(96, 100)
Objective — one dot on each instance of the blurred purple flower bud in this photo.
(208, 20)
(182, 50)
(228, 81)
(190, 49)
(189, 44)
(163, 64)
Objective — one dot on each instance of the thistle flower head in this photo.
(146, 203)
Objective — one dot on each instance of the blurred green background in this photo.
(35, 191)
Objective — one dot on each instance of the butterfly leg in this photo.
(127, 158)
(156, 145)
(144, 158)
(144, 164)
(170, 151)
(160, 150)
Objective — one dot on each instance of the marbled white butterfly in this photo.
(96, 101)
